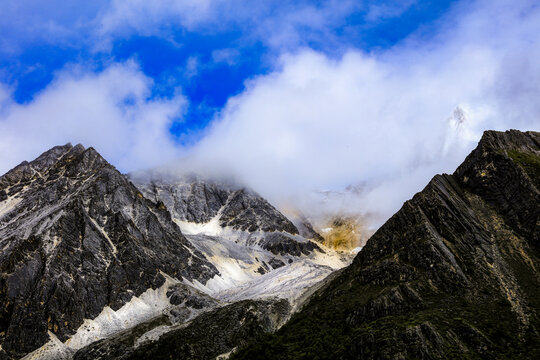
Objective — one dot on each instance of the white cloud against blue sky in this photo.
(290, 96)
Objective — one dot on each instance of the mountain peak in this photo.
(72, 228)
(48, 161)
(510, 140)
(454, 273)
(25, 171)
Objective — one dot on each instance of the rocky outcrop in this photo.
(77, 236)
(188, 198)
(306, 230)
(284, 244)
(247, 211)
(455, 273)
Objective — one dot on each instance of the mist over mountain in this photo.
(87, 255)
(453, 274)
(306, 119)
(223, 179)
(96, 264)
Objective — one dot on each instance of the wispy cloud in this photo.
(109, 110)
(381, 11)
(25, 23)
(98, 24)
(228, 56)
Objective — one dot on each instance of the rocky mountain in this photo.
(91, 262)
(191, 198)
(242, 234)
(76, 237)
(455, 273)
(98, 265)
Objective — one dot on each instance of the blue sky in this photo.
(297, 99)
(187, 56)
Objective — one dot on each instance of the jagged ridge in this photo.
(77, 236)
(453, 274)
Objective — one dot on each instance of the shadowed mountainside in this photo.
(455, 273)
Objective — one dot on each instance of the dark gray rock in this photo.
(453, 274)
(187, 198)
(179, 294)
(276, 263)
(284, 244)
(248, 211)
(78, 237)
(306, 230)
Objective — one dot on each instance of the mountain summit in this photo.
(76, 237)
(455, 273)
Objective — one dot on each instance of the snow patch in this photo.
(226, 355)
(331, 258)
(53, 350)
(211, 227)
(356, 250)
(151, 303)
(233, 273)
(287, 282)
(238, 257)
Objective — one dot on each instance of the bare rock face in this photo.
(188, 199)
(282, 243)
(197, 200)
(455, 273)
(77, 236)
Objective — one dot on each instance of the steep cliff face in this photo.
(77, 236)
(455, 273)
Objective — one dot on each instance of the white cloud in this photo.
(228, 56)
(24, 23)
(278, 24)
(381, 11)
(109, 110)
(386, 122)
(150, 17)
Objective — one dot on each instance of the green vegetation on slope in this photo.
(529, 162)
